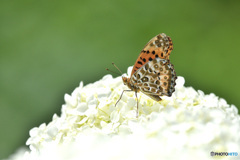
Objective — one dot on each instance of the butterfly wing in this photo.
(159, 46)
(154, 97)
(155, 78)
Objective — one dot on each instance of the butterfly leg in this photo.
(121, 96)
(137, 105)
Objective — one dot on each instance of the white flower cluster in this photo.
(188, 125)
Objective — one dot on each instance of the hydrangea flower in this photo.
(188, 125)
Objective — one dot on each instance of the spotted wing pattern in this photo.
(155, 78)
(159, 46)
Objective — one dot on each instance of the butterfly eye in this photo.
(124, 80)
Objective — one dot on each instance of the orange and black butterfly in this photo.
(152, 73)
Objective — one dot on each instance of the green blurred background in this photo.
(48, 47)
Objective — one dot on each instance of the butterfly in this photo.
(152, 73)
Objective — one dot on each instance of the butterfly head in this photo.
(128, 82)
(125, 79)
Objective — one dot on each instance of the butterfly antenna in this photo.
(112, 71)
(117, 67)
